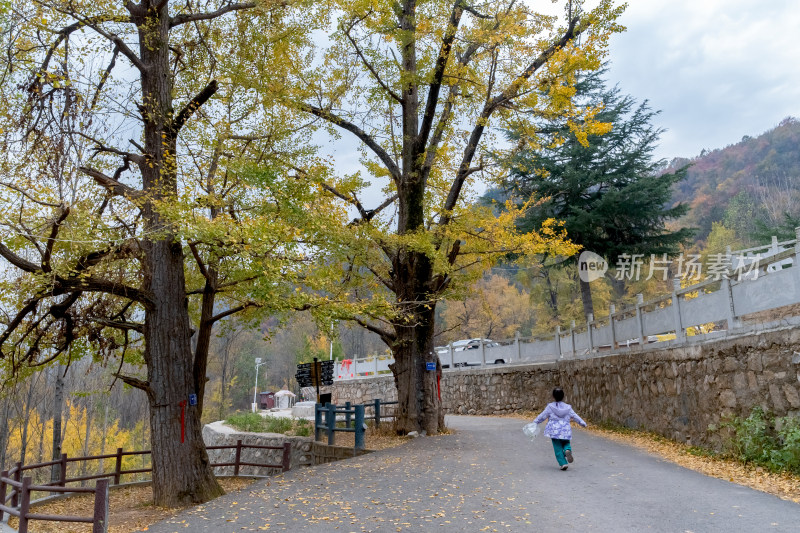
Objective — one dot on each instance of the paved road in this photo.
(488, 477)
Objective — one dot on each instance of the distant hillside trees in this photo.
(751, 186)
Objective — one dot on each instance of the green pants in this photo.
(559, 445)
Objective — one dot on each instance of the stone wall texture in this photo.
(680, 393)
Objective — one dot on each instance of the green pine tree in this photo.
(613, 197)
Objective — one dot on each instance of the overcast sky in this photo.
(717, 69)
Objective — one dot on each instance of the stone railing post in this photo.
(639, 321)
(589, 328)
(612, 309)
(680, 335)
(483, 354)
(730, 311)
(796, 259)
(452, 357)
(558, 353)
(518, 346)
(572, 336)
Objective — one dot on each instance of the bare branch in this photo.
(51, 240)
(386, 336)
(177, 20)
(193, 105)
(367, 64)
(17, 261)
(116, 324)
(24, 193)
(113, 186)
(200, 264)
(135, 383)
(336, 120)
(232, 311)
(438, 75)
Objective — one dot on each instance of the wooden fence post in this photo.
(238, 457)
(286, 462)
(25, 504)
(3, 489)
(347, 406)
(62, 482)
(377, 412)
(17, 478)
(100, 523)
(118, 467)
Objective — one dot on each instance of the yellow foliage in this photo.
(74, 444)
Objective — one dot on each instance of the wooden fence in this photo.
(17, 501)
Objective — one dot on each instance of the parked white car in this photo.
(467, 353)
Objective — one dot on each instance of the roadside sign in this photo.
(430, 366)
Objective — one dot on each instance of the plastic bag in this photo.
(531, 430)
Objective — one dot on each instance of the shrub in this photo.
(765, 440)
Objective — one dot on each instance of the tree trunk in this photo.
(5, 408)
(58, 408)
(181, 471)
(586, 297)
(86, 435)
(618, 285)
(420, 408)
(101, 467)
(26, 423)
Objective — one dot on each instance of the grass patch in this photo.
(255, 423)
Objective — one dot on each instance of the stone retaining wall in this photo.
(218, 434)
(305, 452)
(677, 392)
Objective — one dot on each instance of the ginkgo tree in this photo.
(149, 189)
(423, 87)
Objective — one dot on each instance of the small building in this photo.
(266, 400)
(284, 399)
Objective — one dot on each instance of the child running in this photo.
(558, 415)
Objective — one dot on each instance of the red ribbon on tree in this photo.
(183, 420)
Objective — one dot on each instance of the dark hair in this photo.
(558, 394)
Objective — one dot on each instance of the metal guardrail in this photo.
(353, 414)
(17, 501)
(756, 282)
